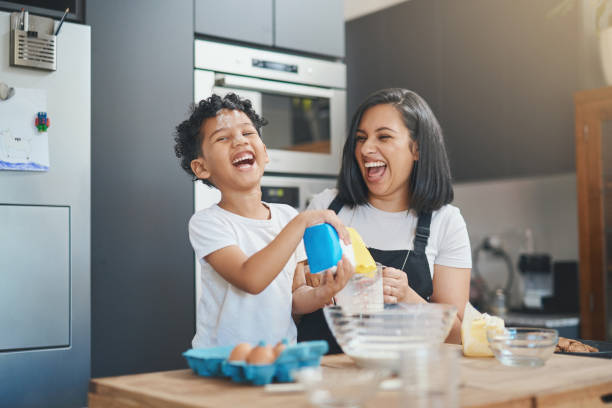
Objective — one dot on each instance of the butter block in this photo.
(364, 263)
(474, 329)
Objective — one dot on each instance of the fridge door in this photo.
(45, 238)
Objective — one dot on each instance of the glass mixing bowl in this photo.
(376, 339)
(523, 346)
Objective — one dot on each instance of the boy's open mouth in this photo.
(375, 170)
(243, 160)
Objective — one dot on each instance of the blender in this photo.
(537, 276)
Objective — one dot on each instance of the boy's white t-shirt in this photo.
(448, 243)
(227, 315)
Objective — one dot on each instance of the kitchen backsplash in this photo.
(547, 205)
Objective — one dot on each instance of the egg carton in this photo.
(213, 362)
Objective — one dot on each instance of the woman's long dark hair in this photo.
(430, 181)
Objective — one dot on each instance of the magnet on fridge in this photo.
(6, 92)
(42, 122)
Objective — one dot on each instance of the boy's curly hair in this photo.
(188, 138)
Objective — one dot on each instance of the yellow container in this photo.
(364, 263)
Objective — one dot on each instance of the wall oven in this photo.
(303, 99)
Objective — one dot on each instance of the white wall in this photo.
(547, 205)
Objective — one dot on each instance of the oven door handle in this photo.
(276, 87)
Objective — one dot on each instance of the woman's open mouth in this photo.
(244, 161)
(375, 170)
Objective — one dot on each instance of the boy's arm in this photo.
(299, 276)
(253, 274)
(307, 299)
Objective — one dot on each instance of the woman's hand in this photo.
(307, 299)
(395, 285)
(333, 283)
(312, 279)
(314, 217)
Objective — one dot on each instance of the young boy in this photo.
(247, 248)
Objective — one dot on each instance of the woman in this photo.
(395, 189)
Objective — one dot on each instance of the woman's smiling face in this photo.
(385, 152)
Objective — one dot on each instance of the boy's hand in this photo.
(332, 284)
(313, 279)
(314, 217)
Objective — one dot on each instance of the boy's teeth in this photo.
(375, 164)
(242, 158)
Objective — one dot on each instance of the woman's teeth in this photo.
(375, 170)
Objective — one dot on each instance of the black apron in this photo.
(312, 326)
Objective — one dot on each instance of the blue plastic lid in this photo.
(322, 247)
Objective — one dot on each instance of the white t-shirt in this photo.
(448, 243)
(227, 315)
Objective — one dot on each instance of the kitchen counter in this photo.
(567, 324)
(565, 381)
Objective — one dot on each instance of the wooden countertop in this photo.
(565, 381)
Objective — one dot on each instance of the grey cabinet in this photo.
(315, 26)
(501, 92)
(249, 21)
(142, 265)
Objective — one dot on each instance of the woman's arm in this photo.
(452, 286)
(253, 274)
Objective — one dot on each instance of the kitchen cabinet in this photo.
(437, 49)
(142, 283)
(249, 21)
(594, 179)
(316, 26)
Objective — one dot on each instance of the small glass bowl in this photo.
(523, 346)
(347, 387)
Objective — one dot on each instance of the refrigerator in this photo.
(45, 222)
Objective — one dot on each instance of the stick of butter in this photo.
(474, 331)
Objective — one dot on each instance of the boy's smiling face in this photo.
(233, 155)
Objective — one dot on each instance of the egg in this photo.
(261, 355)
(240, 352)
(280, 347)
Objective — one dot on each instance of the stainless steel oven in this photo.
(304, 100)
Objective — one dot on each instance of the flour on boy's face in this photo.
(226, 118)
(233, 154)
